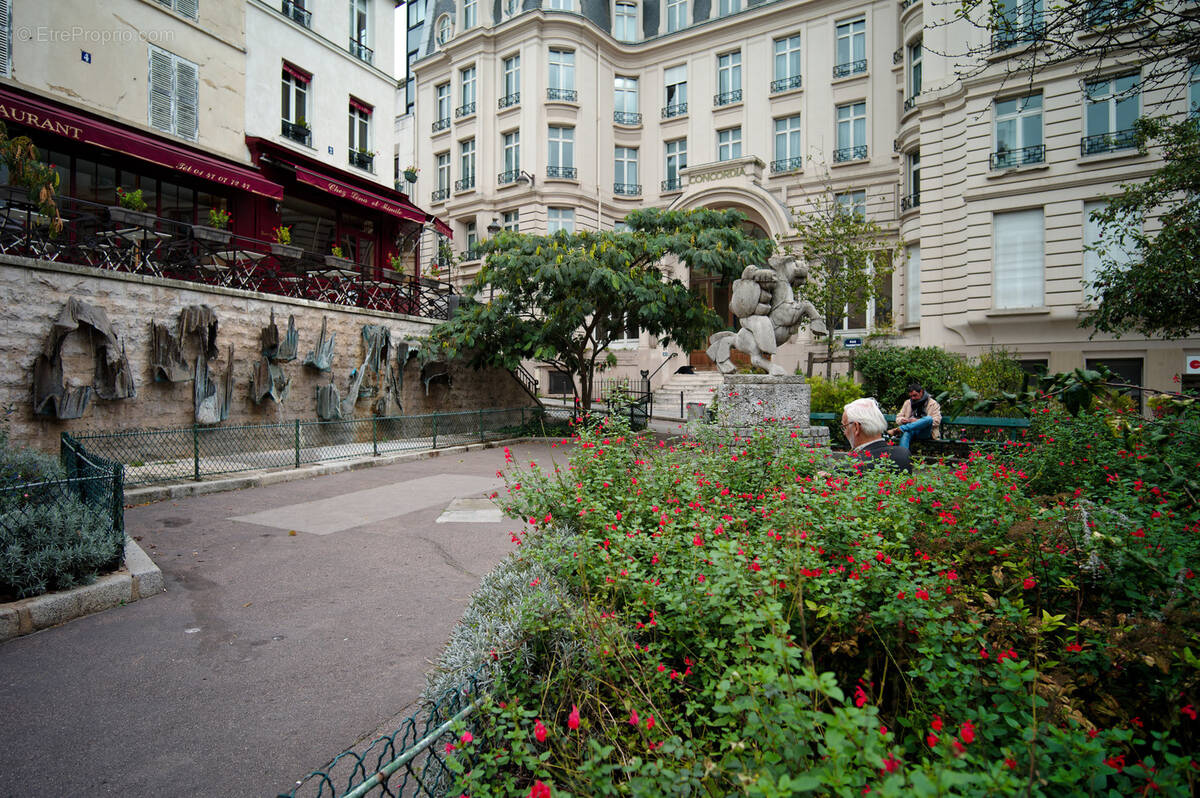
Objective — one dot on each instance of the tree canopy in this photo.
(1158, 294)
(563, 299)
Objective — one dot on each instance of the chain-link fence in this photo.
(194, 453)
(410, 761)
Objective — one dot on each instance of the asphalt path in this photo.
(298, 619)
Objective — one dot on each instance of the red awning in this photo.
(363, 197)
(53, 118)
(441, 227)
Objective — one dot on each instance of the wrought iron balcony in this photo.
(439, 195)
(1004, 39)
(563, 172)
(472, 254)
(466, 109)
(727, 97)
(910, 202)
(787, 165)
(786, 84)
(296, 12)
(296, 132)
(504, 178)
(844, 154)
(850, 68)
(672, 184)
(904, 4)
(627, 118)
(910, 103)
(627, 189)
(509, 100)
(670, 111)
(362, 52)
(465, 183)
(363, 160)
(1108, 142)
(1110, 12)
(565, 95)
(1007, 159)
(441, 124)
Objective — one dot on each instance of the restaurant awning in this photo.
(42, 114)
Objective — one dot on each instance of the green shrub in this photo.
(887, 371)
(992, 373)
(54, 544)
(830, 396)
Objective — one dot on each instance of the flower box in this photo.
(126, 216)
(211, 235)
(334, 262)
(287, 251)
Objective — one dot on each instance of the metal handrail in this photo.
(850, 68)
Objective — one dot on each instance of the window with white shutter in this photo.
(174, 94)
(6, 38)
(1018, 259)
(188, 8)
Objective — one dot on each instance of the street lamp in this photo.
(493, 228)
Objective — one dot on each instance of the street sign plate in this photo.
(851, 343)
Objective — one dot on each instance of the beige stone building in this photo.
(570, 115)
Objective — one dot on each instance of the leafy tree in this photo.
(1159, 293)
(20, 157)
(563, 299)
(849, 258)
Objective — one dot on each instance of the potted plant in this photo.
(396, 261)
(337, 260)
(131, 209)
(282, 247)
(410, 173)
(216, 231)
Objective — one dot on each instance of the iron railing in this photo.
(850, 68)
(509, 100)
(563, 95)
(911, 201)
(858, 153)
(1011, 36)
(786, 84)
(466, 109)
(361, 51)
(504, 178)
(1108, 142)
(465, 183)
(787, 164)
(297, 13)
(296, 132)
(118, 240)
(910, 103)
(194, 453)
(672, 184)
(441, 124)
(904, 4)
(1006, 159)
(727, 97)
(627, 118)
(563, 172)
(439, 194)
(671, 111)
(363, 160)
(627, 189)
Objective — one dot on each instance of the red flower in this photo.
(931, 740)
(633, 717)
(539, 790)
(967, 732)
(922, 594)
(449, 747)
(936, 723)
(1012, 763)
(860, 696)
(890, 764)
(958, 748)
(467, 737)
(573, 718)
(649, 722)
(1074, 647)
(539, 731)
(1189, 711)
(1029, 583)
(697, 541)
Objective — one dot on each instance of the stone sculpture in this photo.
(113, 377)
(276, 350)
(321, 358)
(211, 400)
(167, 361)
(769, 313)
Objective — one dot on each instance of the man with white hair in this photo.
(863, 425)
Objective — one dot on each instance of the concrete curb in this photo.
(140, 578)
(254, 479)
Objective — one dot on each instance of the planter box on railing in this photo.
(287, 251)
(211, 235)
(131, 217)
(334, 262)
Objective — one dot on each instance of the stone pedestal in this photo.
(748, 401)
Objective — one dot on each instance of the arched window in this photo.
(445, 29)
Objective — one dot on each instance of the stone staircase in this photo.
(698, 388)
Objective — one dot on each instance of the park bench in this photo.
(959, 435)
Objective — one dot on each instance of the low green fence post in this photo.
(481, 424)
(522, 418)
(118, 502)
(297, 423)
(374, 436)
(196, 452)
(434, 445)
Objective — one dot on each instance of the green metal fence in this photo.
(194, 453)
(410, 761)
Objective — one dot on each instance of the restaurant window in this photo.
(174, 94)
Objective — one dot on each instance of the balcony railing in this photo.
(727, 98)
(844, 154)
(904, 4)
(1110, 12)
(627, 118)
(504, 178)
(1108, 142)
(509, 100)
(563, 172)
(565, 95)
(910, 103)
(466, 109)
(362, 52)
(672, 184)
(160, 248)
(785, 84)
(787, 165)
(439, 195)
(910, 202)
(465, 183)
(1023, 34)
(297, 13)
(1007, 159)
(441, 124)
(671, 111)
(472, 254)
(295, 132)
(627, 189)
(850, 68)
(363, 160)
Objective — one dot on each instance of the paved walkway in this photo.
(270, 651)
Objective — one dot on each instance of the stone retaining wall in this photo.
(33, 293)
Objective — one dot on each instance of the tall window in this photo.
(625, 22)
(416, 14)
(1018, 21)
(787, 64)
(1194, 90)
(360, 135)
(293, 109)
(1112, 106)
(1018, 247)
(729, 78)
(512, 81)
(466, 164)
(727, 7)
(851, 132)
(915, 52)
(472, 241)
(913, 199)
(360, 30)
(442, 106)
(562, 75)
(854, 202)
(676, 160)
(174, 94)
(729, 143)
(466, 91)
(512, 155)
(562, 152)
(677, 11)
(560, 219)
(511, 220)
(470, 14)
(1102, 245)
(443, 173)
(1018, 132)
(625, 101)
(912, 285)
(850, 47)
(676, 91)
(625, 171)
(445, 29)
(787, 145)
